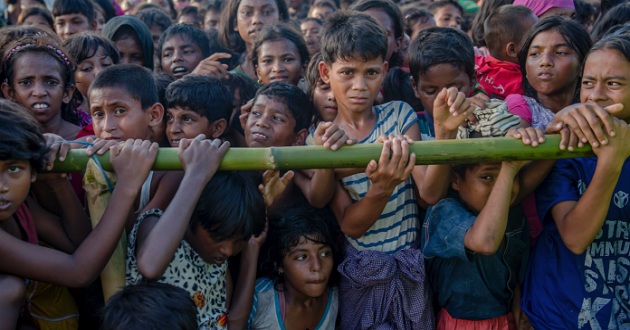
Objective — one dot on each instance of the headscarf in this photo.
(142, 32)
(539, 7)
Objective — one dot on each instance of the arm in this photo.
(132, 162)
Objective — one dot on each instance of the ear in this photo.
(9, 93)
(155, 113)
(217, 128)
(455, 180)
(33, 176)
(300, 137)
(414, 86)
(324, 72)
(68, 93)
(510, 50)
(399, 42)
(384, 72)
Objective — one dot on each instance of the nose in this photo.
(359, 83)
(595, 93)
(257, 17)
(316, 264)
(262, 121)
(277, 65)
(175, 126)
(109, 123)
(177, 56)
(4, 187)
(39, 89)
(546, 59)
(227, 249)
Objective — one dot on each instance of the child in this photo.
(196, 105)
(243, 90)
(321, 10)
(150, 305)
(300, 271)
(190, 15)
(320, 93)
(81, 255)
(157, 21)
(279, 54)
(310, 28)
(447, 13)
(377, 211)
(499, 73)
(417, 20)
(242, 21)
(181, 48)
(577, 274)
(211, 218)
(132, 39)
(73, 16)
(211, 15)
(92, 53)
(37, 16)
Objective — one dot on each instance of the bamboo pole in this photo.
(427, 152)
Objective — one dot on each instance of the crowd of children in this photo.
(505, 245)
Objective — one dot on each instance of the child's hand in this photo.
(617, 149)
(245, 110)
(331, 136)
(132, 160)
(273, 185)
(99, 146)
(450, 109)
(202, 156)
(529, 135)
(383, 138)
(211, 66)
(390, 172)
(587, 121)
(58, 147)
(258, 241)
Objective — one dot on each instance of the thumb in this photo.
(614, 109)
(287, 177)
(371, 167)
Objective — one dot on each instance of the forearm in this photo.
(321, 187)
(434, 186)
(532, 176)
(243, 296)
(359, 217)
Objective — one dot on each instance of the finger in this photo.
(371, 168)
(573, 140)
(572, 123)
(404, 155)
(63, 151)
(218, 56)
(540, 135)
(410, 165)
(397, 152)
(564, 137)
(385, 151)
(287, 177)
(613, 110)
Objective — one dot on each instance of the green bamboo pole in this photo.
(357, 156)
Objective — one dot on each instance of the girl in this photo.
(320, 93)
(132, 39)
(300, 271)
(241, 22)
(37, 16)
(78, 255)
(93, 53)
(310, 28)
(279, 54)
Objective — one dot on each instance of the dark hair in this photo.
(312, 19)
(108, 8)
(40, 43)
(190, 10)
(278, 32)
(132, 79)
(486, 9)
(230, 38)
(412, 16)
(35, 11)
(618, 15)
(297, 102)
(397, 87)
(230, 206)
(188, 31)
(154, 17)
(572, 32)
(65, 7)
(21, 137)
(352, 35)
(287, 229)
(130, 26)
(618, 42)
(322, 4)
(201, 94)
(505, 25)
(436, 5)
(85, 45)
(162, 80)
(16, 32)
(150, 305)
(584, 11)
(388, 7)
(247, 90)
(439, 45)
(313, 77)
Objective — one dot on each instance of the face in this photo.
(100, 21)
(324, 102)
(39, 88)
(156, 32)
(36, 20)
(211, 20)
(180, 55)
(162, 4)
(279, 61)
(307, 267)
(130, 50)
(475, 188)
(15, 182)
(270, 124)
(117, 116)
(321, 12)
(89, 68)
(606, 80)
(552, 66)
(181, 4)
(190, 19)
(557, 11)
(296, 4)
(448, 16)
(421, 26)
(69, 24)
(355, 84)
(182, 123)
(438, 77)
(393, 44)
(252, 15)
(310, 31)
(210, 250)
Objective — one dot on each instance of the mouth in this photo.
(359, 100)
(279, 78)
(256, 136)
(218, 261)
(545, 75)
(174, 142)
(179, 71)
(40, 107)
(4, 205)
(254, 31)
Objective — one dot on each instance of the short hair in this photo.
(505, 25)
(352, 35)
(230, 38)
(201, 94)
(65, 7)
(136, 81)
(487, 8)
(388, 7)
(618, 42)
(150, 305)
(312, 19)
(313, 78)
(37, 11)
(441, 45)
(298, 103)
(108, 8)
(572, 32)
(618, 15)
(21, 136)
(85, 45)
(193, 33)
(278, 32)
(435, 6)
(230, 206)
(162, 80)
(154, 17)
(412, 16)
(322, 4)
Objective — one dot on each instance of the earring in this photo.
(260, 81)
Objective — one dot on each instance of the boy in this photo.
(196, 105)
(447, 13)
(504, 32)
(181, 48)
(377, 211)
(132, 39)
(157, 21)
(73, 16)
(190, 15)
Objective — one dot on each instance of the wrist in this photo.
(444, 134)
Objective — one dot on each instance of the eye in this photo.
(326, 253)
(169, 118)
(120, 111)
(562, 53)
(487, 177)
(278, 119)
(430, 91)
(289, 59)
(587, 83)
(187, 119)
(14, 169)
(255, 113)
(52, 82)
(97, 114)
(300, 257)
(372, 72)
(87, 68)
(346, 73)
(24, 82)
(614, 84)
(167, 54)
(268, 12)
(533, 54)
(266, 61)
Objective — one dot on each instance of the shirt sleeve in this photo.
(562, 184)
(518, 106)
(262, 284)
(445, 226)
(406, 116)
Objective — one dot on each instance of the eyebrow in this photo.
(607, 77)
(555, 46)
